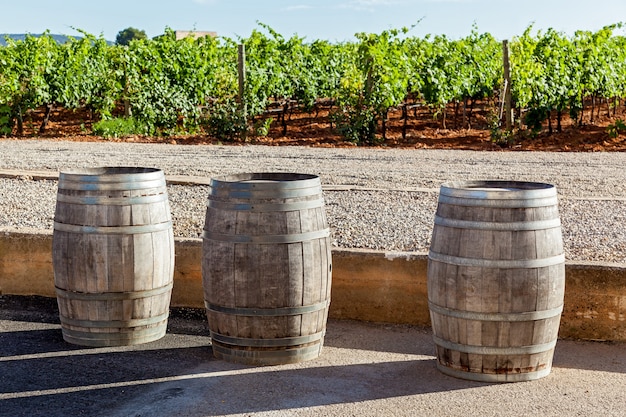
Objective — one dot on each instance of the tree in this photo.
(125, 36)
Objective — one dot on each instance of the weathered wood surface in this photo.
(113, 255)
(496, 280)
(266, 268)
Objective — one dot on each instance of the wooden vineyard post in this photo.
(241, 61)
(507, 86)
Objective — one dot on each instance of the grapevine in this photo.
(171, 86)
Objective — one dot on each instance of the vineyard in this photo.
(383, 89)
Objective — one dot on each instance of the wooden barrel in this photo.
(113, 255)
(266, 268)
(496, 280)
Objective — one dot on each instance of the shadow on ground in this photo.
(362, 363)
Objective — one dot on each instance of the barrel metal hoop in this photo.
(504, 226)
(255, 194)
(494, 350)
(113, 230)
(497, 189)
(275, 342)
(266, 207)
(499, 317)
(112, 201)
(267, 357)
(268, 239)
(105, 339)
(112, 296)
(266, 312)
(495, 203)
(108, 174)
(266, 181)
(486, 377)
(114, 323)
(111, 186)
(497, 263)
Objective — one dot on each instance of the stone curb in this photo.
(373, 286)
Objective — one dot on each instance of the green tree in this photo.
(129, 34)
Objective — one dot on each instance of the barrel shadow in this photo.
(591, 355)
(188, 381)
(379, 337)
(33, 309)
(41, 374)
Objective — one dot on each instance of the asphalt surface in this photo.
(365, 370)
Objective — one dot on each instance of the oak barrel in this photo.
(266, 267)
(113, 255)
(496, 279)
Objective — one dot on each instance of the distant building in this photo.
(181, 34)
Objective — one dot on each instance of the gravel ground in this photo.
(382, 199)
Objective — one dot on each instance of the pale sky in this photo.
(336, 20)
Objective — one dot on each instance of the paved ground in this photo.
(365, 370)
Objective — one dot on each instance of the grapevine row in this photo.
(183, 86)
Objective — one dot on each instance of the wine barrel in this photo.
(496, 280)
(266, 267)
(113, 255)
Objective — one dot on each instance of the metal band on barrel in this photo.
(112, 230)
(502, 317)
(266, 181)
(485, 377)
(505, 203)
(276, 342)
(114, 323)
(513, 226)
(262, 239)
(111, 186)
(494, 350)
(108, 174)
(269, 207)
(497, 263)
(267, 357)
(497, 189)
(267, 194)
(268, 312)
(112, 296)
(111, 201)
(105, 339)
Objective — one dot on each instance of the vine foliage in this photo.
(173, 86)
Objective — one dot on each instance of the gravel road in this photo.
(382, 199)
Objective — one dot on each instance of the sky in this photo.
(334, 20)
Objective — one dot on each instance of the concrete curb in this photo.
(191, 180)
(385, 287)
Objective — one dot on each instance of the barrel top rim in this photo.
(108, 171)
(122, 174)
(265, 180)
(497, 189)
(268, 176)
